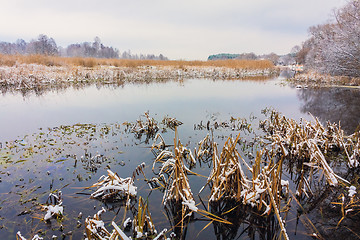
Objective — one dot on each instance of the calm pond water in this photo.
(39, 119)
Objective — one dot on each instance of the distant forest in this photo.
(47, 46)
(245, 56)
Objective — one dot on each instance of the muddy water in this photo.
(38, 120)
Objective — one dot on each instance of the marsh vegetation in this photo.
(177, 171)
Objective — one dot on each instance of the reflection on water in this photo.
(189, 101)
(333, 104)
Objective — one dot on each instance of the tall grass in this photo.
(11, 60)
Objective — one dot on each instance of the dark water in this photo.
(27, 179)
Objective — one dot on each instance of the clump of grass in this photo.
(205, 149)
(227, 179)
(178, 188)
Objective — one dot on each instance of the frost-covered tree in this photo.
(334, 48)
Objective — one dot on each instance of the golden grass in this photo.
(11, 60)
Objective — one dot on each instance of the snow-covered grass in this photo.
(32, 75)
(312, 78)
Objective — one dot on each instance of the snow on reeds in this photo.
(53, 206)
(298, 141)
(310, 146)
(143, 227)
(316, 79)
(178, 188)
(113, 187)
(228, 180)
(262, 191)
(95, 229)
(149, 127)
(20, 237)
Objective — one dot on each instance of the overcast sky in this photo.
(186, 29)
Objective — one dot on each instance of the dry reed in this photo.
(10, 60)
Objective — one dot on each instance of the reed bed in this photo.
(301, 141)
(228, 182)
(37, 71)
(253, 194)
(11, 60)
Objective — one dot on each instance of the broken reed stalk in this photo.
(206, 150)
(276, 210)
(95, 229)
(112, 187)
(142, 223)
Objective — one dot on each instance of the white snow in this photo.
(53, 210)
(352, 191)
(190, 204)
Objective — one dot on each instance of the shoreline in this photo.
(32, 76)
(314, 79)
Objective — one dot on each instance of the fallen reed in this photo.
(113, 188)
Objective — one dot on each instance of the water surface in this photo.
(37, 118)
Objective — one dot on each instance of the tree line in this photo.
(334, 47)
(245, 56)
(45, 45)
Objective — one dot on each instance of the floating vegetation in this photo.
(92, 163)
(234, 124)
(114, 188)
